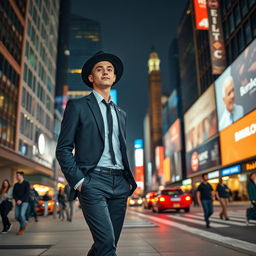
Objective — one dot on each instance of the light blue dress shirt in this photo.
(105, 160)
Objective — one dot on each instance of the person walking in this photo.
(33, 199)
(46, 200)
(62, 204)
(6, 205)
(70, 203)
(252, 188)
(222, 194)
(21, 197)
(99, 172)
(205, 197)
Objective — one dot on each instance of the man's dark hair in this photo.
(21, 173)
(204, 175)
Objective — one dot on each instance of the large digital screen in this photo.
(203, 157)
(236, 88)
(172, 148)
(201, 120)
(238, 141)
(172, 138)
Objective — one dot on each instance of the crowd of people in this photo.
(205, 195)
(24, 197)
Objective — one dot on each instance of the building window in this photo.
(23, 148)
(237, 15)
(253, 22)
(244, 7)
(234, 48)
(240, 40)
(25, 73)
(26, 126)
(228, 3)
(251, 3)
(226, 30)
(247, 32)
(231, 22)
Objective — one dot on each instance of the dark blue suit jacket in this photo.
(82, 129)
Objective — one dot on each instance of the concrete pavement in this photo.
(140, 237)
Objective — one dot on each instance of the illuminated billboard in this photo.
(217, 47)
(238, 140)
(172, 148)
(201, 120)
(203, 157)
(172, 141)
(139, 164)
(201, 15)
(236, 88)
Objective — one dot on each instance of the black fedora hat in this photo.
(97, 57)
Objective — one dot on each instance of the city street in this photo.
(150, 100)
(144, 234)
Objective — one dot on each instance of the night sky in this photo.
(129, 30)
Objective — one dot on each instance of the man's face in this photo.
(19, 177)
(230, 96)
(103, 75)
(205, 177)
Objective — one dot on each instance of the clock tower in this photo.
(155, 109)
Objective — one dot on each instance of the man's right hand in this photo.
(19, 202)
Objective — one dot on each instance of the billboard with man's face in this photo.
(236, 88)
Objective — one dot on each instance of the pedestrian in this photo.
(194, 197)
(6, 205)
(33, 199)
(252, 188)
(70, 203)
(99, 172)
(21, 197)
(62, 204)
(205, 197)
(222, 193)
(46, 200)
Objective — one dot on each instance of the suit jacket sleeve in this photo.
(66, 145)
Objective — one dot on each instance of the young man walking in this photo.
(205, 197)
(21, 196)
(99, 171)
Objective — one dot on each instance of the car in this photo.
(40, 207)
(135, 201)
(173, 198)
(149, 199)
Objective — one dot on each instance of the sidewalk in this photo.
(52, 237)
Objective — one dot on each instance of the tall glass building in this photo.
(28, 50)
(84, 41)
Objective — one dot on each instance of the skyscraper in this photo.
(30, 33)
(63, 54)
(84, 41)
(155, 108)
(12, 22)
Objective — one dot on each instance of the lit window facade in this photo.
(11, 38)
(39, 68)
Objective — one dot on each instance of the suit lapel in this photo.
(94, 106)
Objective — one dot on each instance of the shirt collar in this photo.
(99, 97)
(228, 113)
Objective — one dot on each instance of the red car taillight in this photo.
(187, 198)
